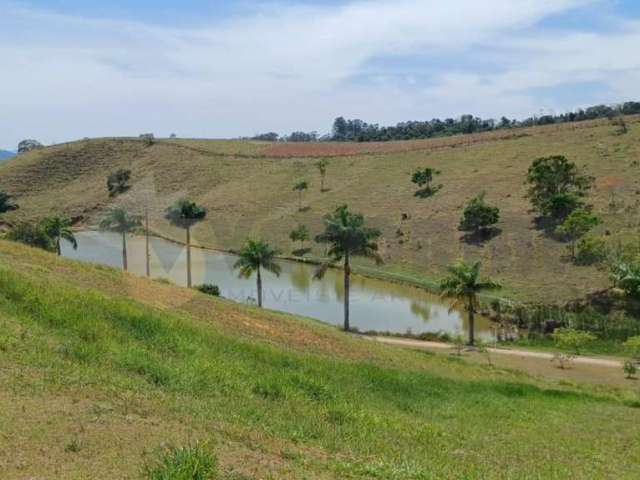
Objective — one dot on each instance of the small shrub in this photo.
(590, 250)
(458, 344)
(564, 360)
(633, 346)
(630, 368)
(148, 139)
(209, 289)
(118, 182)
(571, 339)
(73, 446)
(183, 463)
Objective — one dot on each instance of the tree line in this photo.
(356, 130)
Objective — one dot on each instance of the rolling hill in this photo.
(6, 154)
(101, 369)
(247, 188)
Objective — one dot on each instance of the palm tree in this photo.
(59, 228)
(347, 236)
(257, 254)
(463, 284)
(6, 204)
(185, 214)
(300, 187)
(118, 220)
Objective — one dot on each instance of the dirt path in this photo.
(424, 345)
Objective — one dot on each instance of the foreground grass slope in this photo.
(248, 190)
(100, 368)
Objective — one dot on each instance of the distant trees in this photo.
(59, 228)
(27, 145)
(463, 285)
(556, 186)
(299, 137)
(478, 218)
(120, 221)
(266, 137)
(118, 182)
(148, 139)
(6, 203)
(347, 236)
(300, 187)
(344, 130)
(185, 214)
(423, 178)
(322, 165)
(255, 256)
(577, 224)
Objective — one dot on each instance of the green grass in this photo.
(101, 366)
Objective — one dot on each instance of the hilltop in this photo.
(247, 188)
(101, 368)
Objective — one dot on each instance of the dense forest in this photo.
(346, 130)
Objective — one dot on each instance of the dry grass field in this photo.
(247, 188)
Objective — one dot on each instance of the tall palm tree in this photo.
(59, 228)
(6, 204)
(254, 256)
(347, 236)
(120, 221)
(185, 214)
(463, 285)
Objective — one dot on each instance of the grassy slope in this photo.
(247, 187)
(100, 367)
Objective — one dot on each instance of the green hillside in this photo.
(248, 190)
(100, 369)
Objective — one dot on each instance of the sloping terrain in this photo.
(99, 368)
(247, 188)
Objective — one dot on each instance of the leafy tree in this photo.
(27, 145)
(423, 179)
(148, 139)
(463, 285)
(478, 217)
(300, 234)
(185, 214)
(118, 182)
(32, 234)
(322, 168)
(347, 236)
(254, 256)
(572, 340)
(300, 187)
(120, 221)
(577, 224)
(556, 186)
(6, 204)
(59, 228)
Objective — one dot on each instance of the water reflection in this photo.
(375, 304)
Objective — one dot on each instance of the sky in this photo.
(220, 69)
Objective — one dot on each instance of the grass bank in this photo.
(101, 368)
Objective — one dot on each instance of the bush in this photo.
(28, 145)
(633, 346)
(571, 339)
(148, 139)
(118, 182)
(590, 250)
(478, 217)
(32, 234)
(626, 275)
(209, 289)
(183, 463)
(630, 368)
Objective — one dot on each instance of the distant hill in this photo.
(5, 154)
(248, 188)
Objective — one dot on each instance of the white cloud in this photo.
(286, 68)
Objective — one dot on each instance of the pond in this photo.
(375, 304)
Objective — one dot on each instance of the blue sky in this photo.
(74, 69)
